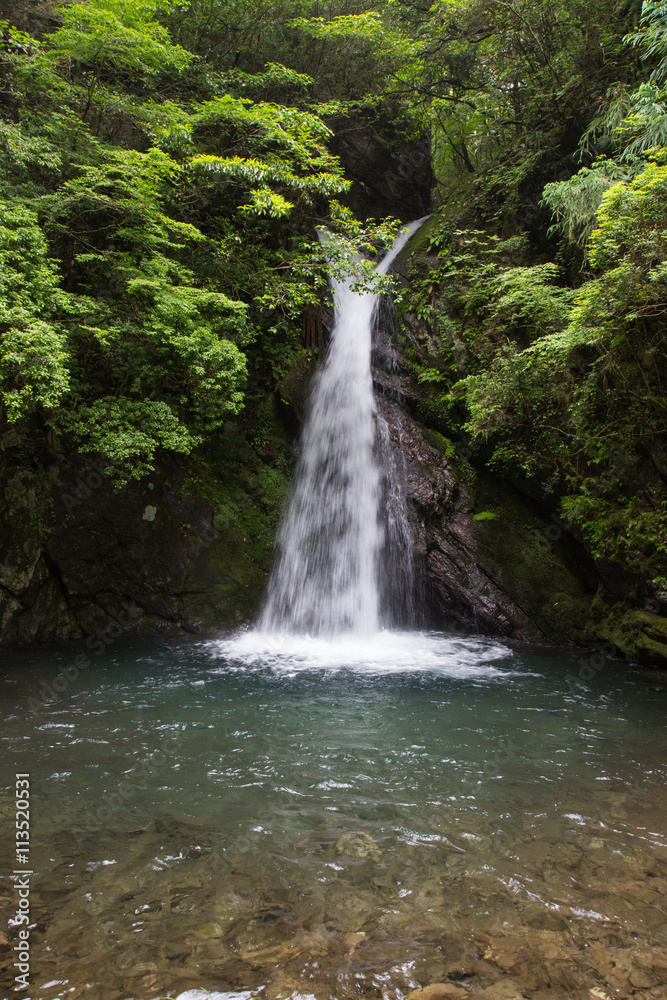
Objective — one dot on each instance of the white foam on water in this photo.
(384, 652)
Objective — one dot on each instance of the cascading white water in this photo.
(325, 581)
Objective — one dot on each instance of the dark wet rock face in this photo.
(512, 571)
(79, 557)
(33, 604)
(110, 557)
(139, 547)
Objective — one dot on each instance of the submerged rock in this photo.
(504, 989)
(208, 995)
(439, 991)
(358, 845)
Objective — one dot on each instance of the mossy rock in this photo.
(641, 636)
(439, 441)
(532, 559)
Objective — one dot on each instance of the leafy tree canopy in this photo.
(157, 227)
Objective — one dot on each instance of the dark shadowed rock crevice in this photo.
(390, 175)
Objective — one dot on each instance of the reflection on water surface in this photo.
(343, 820)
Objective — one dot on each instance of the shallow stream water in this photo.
(342, 819)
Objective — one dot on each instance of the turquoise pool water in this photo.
(339, 819)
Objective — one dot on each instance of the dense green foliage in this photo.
(157, 220)
(546, 318)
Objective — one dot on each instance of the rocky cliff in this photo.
(492, 553)
(187, 547)
(190, 547)
(490, 559)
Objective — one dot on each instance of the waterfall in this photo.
(326, 578)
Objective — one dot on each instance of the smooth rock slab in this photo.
(207, 995)
(440, 991)
(502, 990)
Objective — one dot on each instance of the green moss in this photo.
(542, 574)
(655, 626)
(437, 440)
(245, 523)
(244, 477)
(639, 636)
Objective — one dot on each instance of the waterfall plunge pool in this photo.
(341, 819)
